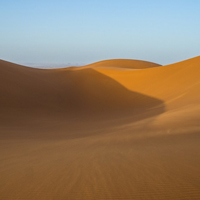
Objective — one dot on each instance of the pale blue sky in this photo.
(70, 32)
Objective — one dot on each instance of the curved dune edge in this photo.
(55, 145)
(100, 89)
(67, 92)
(176, 84)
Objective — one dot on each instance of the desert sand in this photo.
(115, 129)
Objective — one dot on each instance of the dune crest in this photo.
(123, 63)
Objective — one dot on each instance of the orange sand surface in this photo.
(115, 129)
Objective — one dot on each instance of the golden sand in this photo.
(116, 129)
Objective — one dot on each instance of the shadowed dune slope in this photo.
(71, 92)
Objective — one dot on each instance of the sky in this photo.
(78, 32)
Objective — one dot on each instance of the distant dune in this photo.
(123, 63)
(115, 129)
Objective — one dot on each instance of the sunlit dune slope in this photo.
(178, 85)
(173, 83)
(69, 92)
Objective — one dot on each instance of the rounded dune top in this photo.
(123, 63)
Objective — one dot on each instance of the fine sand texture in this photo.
(115, 129)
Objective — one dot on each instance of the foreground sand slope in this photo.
(102, 131)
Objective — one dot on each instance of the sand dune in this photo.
(70, 93)
(177, 85)
(123, 63)
(115, 129)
